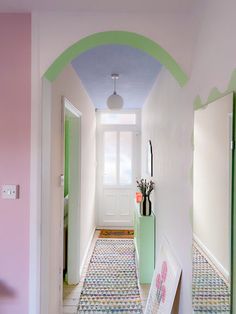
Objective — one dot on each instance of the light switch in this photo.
(10, 191)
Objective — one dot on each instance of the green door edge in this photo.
(117, 38)
(233, 217)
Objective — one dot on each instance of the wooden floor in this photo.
(71, 294)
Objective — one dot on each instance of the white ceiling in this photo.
(157, 6)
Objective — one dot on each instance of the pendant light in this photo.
(114, 101)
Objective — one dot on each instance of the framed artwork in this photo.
(164, 283)
(150, 159)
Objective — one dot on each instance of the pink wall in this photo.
(15, 102)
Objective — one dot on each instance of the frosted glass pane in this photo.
(110, 158)
(125, 158)
(118, 118)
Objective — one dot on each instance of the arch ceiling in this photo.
(117, 38)
(137, 74)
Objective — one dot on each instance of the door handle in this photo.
(62, 180)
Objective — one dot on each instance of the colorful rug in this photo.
(111, 284)
(211, 294)
(122, 234)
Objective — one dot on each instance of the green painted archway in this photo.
(119, 38)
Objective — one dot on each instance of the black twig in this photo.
(145, 186)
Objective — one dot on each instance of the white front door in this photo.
(118, 158)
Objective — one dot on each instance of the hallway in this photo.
(72, 293)
(174, 59)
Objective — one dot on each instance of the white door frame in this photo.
(46, 188)
(40, 214)
(73, 256)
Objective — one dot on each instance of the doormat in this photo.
(120, 234)
(111, 283)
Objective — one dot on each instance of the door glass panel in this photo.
(118, 118)
(125, 158)
(110, 158)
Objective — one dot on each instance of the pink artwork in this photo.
(164, 283)
(160, 283)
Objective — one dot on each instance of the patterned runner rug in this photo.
(210, 292)
(111, 284)
(122, 234)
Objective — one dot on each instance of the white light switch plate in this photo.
(10, 191)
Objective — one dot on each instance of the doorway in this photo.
(71, 192)
(118, 149)
(44, 129)
(212, 214)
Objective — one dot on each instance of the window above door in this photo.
(121, 118)
(118, 118)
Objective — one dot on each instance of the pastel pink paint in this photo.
(163, 294)
(15, 91)
(164, 271)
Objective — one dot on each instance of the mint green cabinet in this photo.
(144, 239)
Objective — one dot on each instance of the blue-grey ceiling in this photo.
(138, 71)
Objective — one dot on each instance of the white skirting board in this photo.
(87, 251)
(212, 258)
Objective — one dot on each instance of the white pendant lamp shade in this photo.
(115, 101)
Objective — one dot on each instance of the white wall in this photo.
(69, 85)
(212, 206)
(166, 121)
(215, 50)
(174, 32)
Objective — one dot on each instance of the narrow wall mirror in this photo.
(212, 206)
(150, 159)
